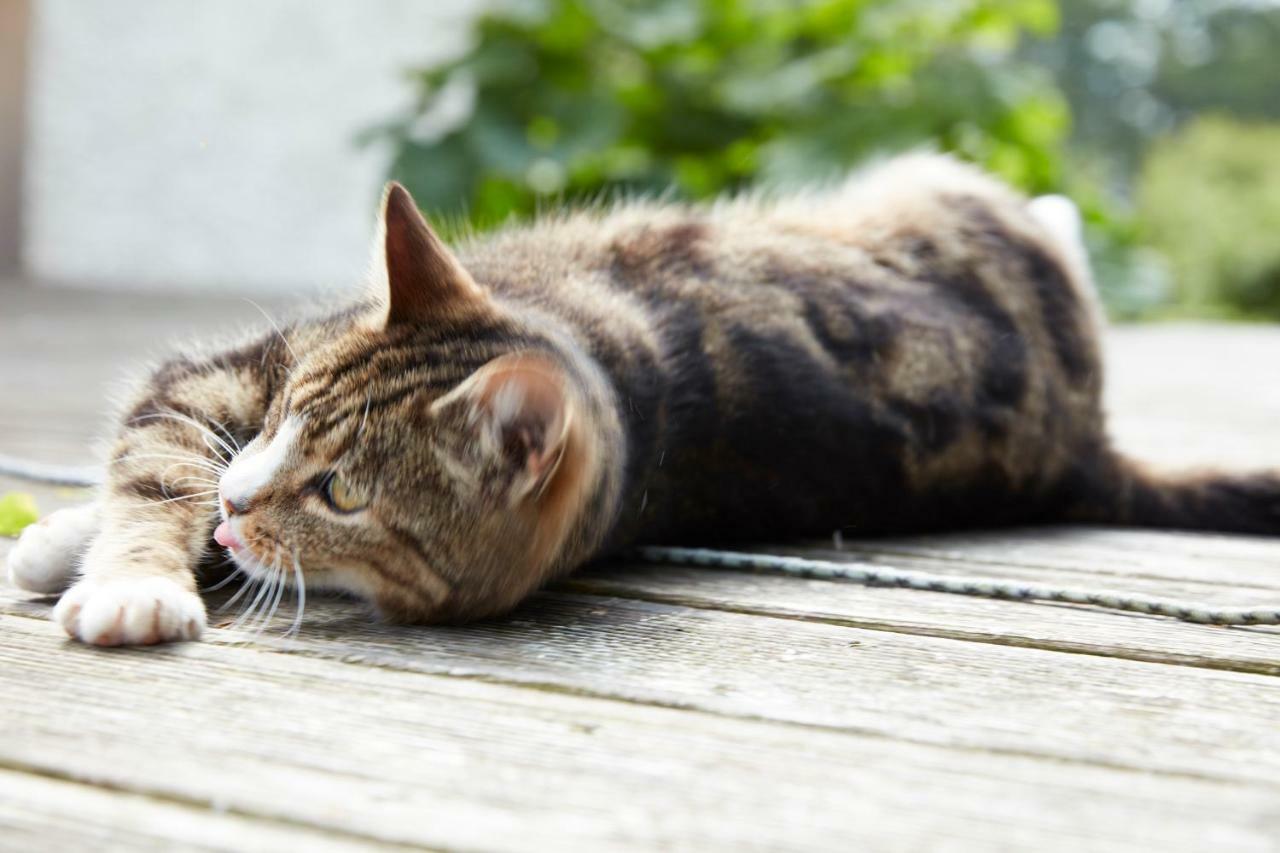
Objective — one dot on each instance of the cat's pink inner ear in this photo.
(524, 400)
(521, 405)
(424, 280)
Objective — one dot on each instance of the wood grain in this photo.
(412, 758)
(995, 697)
(1046, 626)
(33, 810)
(642, 707)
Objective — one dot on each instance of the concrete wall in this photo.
(208, 146)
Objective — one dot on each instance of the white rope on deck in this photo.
(50, 472)
(875, 575)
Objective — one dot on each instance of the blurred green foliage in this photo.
(1209, 201)
(17, 511)
(1135, 72)
(573, 100)
(578, 98)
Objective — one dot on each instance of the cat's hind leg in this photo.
(47, 554)
(1060, 218)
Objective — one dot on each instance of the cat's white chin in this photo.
(254, 568)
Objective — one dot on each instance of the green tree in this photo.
(1209, 200)
(1133, 70)
(578, 98)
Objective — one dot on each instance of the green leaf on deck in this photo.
(17, 510)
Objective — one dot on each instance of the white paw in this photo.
(130, 611)
(44, 559)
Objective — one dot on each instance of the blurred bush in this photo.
(1209, 200)
(575, 99)
(570, 100)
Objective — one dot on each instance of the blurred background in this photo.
(240, 147)
(172, 169)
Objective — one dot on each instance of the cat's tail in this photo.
(1124, 491)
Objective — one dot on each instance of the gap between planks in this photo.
(1269, 667)
(482, 765)
(34, 801)
(940, 691)
(1049, 627)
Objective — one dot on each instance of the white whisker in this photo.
(201, 481)
(202, 462)
(238, 572)
(263, 588)
(275, 602)
(189, 497)
(259, 605)
(204, 430)
(205, 439)
(164, 478)
(272, 579)
(208, 434)
(201, 476)
(250, 582)
(364, 419)
(301, 585)
(283, 339)
(226, 433)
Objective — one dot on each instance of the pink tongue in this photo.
(224, 537)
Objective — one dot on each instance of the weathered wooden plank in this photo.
(42, 813)
(920, 688)
(677, 656)
(405, 757)
(1221, 563)
(1252, 585)
(1046, 626)
(1183, 394)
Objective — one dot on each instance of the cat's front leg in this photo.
(137, 584)
(158, 506)
(47, 554)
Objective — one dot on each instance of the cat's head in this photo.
(433, 455)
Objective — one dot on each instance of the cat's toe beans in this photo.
(44, 558)
(130, 611)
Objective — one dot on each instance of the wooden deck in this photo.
(647, 707)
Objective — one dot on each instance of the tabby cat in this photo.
(915, 349)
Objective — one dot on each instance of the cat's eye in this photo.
(341, 495)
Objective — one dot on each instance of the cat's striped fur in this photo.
(909, 351)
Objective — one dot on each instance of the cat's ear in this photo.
(520, 414)
(419, 277)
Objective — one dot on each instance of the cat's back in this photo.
(914, 326)
(912, 231)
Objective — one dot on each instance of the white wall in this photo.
(183, 145)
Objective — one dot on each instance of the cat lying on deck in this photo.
(915, 349)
